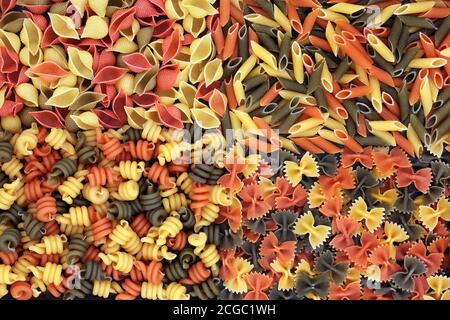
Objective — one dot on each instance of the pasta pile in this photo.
(224, 149)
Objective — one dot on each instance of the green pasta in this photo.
(243, 42)
(267, 6)
(255, 81)
(404, 104)
(442, 31)
(394, 35)
(412, 21)
(418, 127)
(283, 56)
(314, 80)
(371, 141)
(438, 115)
(284, 109)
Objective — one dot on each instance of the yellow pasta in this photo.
(63, 26)
(263, 54)
(95, 28)
(213, 71)
(260, 19)
(372, 218)
(426, 63)
(329, 34)
(26, 142)
(63, 97)
(329, 15)
(375, 94)
(303, 98)
(306, 167)
(305, 125)
(201, 49)
(326, 78)
(425, 96)
(297, 63)
(245, 68)
(387, 125)
(415, 7)
(382, 49)
(282, 20)
(346, 8)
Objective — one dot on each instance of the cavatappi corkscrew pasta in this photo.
(224, 149)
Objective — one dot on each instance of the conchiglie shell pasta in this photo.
(95, 28)
(86, 121)
(63, 97)
(28, 93)
(31, 36)
(201, 49)
(205, 118)
(80, 62)
(199, 8)
(98, 6)
(63, 26)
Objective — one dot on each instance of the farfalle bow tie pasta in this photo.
(224, 149)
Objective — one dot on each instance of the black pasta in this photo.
(9, 239)
(187, 218)
(6, 149)
(80, 291)
(92, 271)
(77, 248)
(157, 216)
(86, 154)
(150, 199)
(318, 285)
(3, 179)
(13, 215)
(33, 228)
(61, 170)
(123, 209)
(208, 289)
(337, 271)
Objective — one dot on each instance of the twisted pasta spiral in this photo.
(184, 182)
(127, 191)
(50, 245)
(26, 141)
(57, 138)
(120, 261)
(218, 195)
(209, 214)
(12, 168)
(176, 291)
(151, 131)
(152, 251)
(174, 202)
(169, 152)
(50, 273)
(97, 195)
(152, 291)
(77, 216)
(70, 188)
(122, 233)
(169, 228)
(207, 253)
(7, 276)
(131, 170)
(103, 288)
(8, 194)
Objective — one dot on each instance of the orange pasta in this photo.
(352, 52)
(348, 141)
(325, 145)
(306, 145)
(353, 92)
